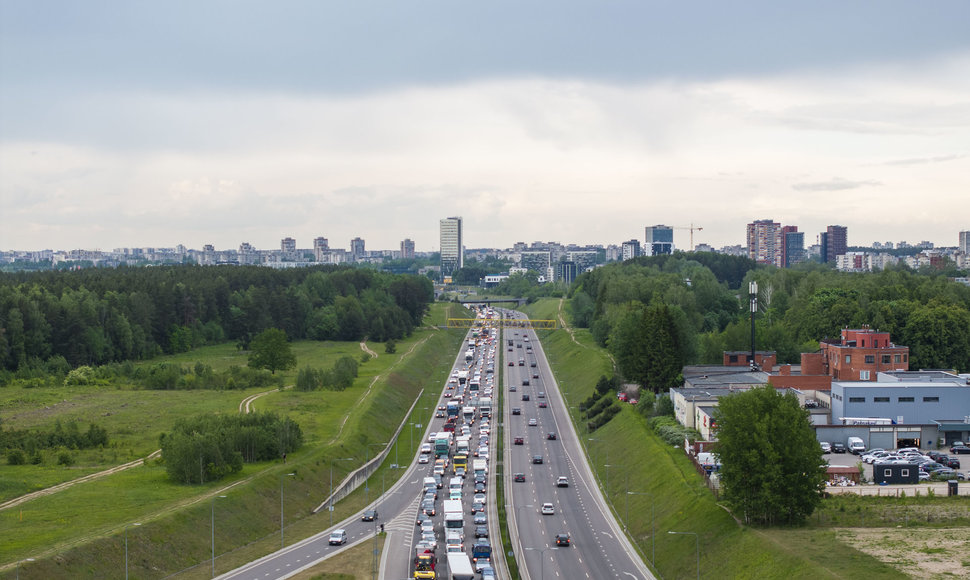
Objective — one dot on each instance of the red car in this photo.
(519, 441)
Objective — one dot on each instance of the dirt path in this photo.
(245, 406)
(373, 381)
(365, 348)
(562, 322)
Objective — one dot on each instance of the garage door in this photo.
(882, 441)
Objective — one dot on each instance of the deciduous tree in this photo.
(270, 350)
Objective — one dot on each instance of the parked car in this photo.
(960, 450)
(838, 447)
(826, 446)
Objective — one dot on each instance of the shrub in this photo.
(64, 458)
(16, 457)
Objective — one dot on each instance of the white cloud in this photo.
(521, 159)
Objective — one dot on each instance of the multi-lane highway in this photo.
(597, 547)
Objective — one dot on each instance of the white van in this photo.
(338, 537)
(856, 445)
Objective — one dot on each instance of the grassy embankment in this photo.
(659, 477)
(83, 525)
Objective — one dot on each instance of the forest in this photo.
(55, 321)
(692, 308)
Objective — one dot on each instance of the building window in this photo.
(885, 359)
(857, 399)
(897, 358)
(887, 473)
(907, 399)
(870, 359)
(733, 358)
(904, 472)
(905, 358)
(863, 375)
(931, 399)
(880, 399)
(848, 358)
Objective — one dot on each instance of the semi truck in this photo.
(460, 567)
(442, 444)
(485, 407)
(470, 354)
(454, 517)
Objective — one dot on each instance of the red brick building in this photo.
(858, 356)
(765, 359)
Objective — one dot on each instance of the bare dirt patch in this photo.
(917, 552)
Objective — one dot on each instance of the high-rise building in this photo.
(630, 249)
(834, 242)
(764, 242)
(792, 246)
(288, 245)
(538, 261)
(452, 248)
(964, 245)
(407, 249)
(659, 240)
(565, 272)
(357, 251)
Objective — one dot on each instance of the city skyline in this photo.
(147, 125)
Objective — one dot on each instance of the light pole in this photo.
(697, 549)
(331, 484)
(212, 525)
(753, 294)
(542, 560)
(607, 466)
(653, 519)
(19, 562)
(126, 547)
(281, 505)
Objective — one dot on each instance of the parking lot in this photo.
(938, 487)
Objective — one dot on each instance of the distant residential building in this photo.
(536, 261)
(735, 250)
(407, 249)
(659, 240)
(613, 253)
(566, 272)
(583, 259)
(630, 249)
(764, 242)
(287, 245)
(357, 250)
(964, 243)
(703, 248)
(792, 246)
(834, 242)
(452, 248)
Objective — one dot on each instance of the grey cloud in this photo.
(835, 184)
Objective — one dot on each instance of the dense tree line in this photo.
(338, 378)
(208, 447)
(655, 314)
(69, 436)
(97, 316)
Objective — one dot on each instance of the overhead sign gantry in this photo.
(504, 323)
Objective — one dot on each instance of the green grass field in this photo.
(83, 525)
(653, 489)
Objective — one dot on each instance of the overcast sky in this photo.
(134, 123)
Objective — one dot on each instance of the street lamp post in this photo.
(331, 484)
(126, 547)
(697, 549)
(653, 519)
(542, 560)
(212, 525)
(281, 506)
(753, 294)
(19, 562)
(607, 466)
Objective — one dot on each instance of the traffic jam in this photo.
(452, 527)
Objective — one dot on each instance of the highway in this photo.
(598, 548)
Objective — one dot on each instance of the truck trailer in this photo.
(459, 567)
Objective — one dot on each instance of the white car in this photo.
(425, 448)
(422, 459)
(547, 509)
